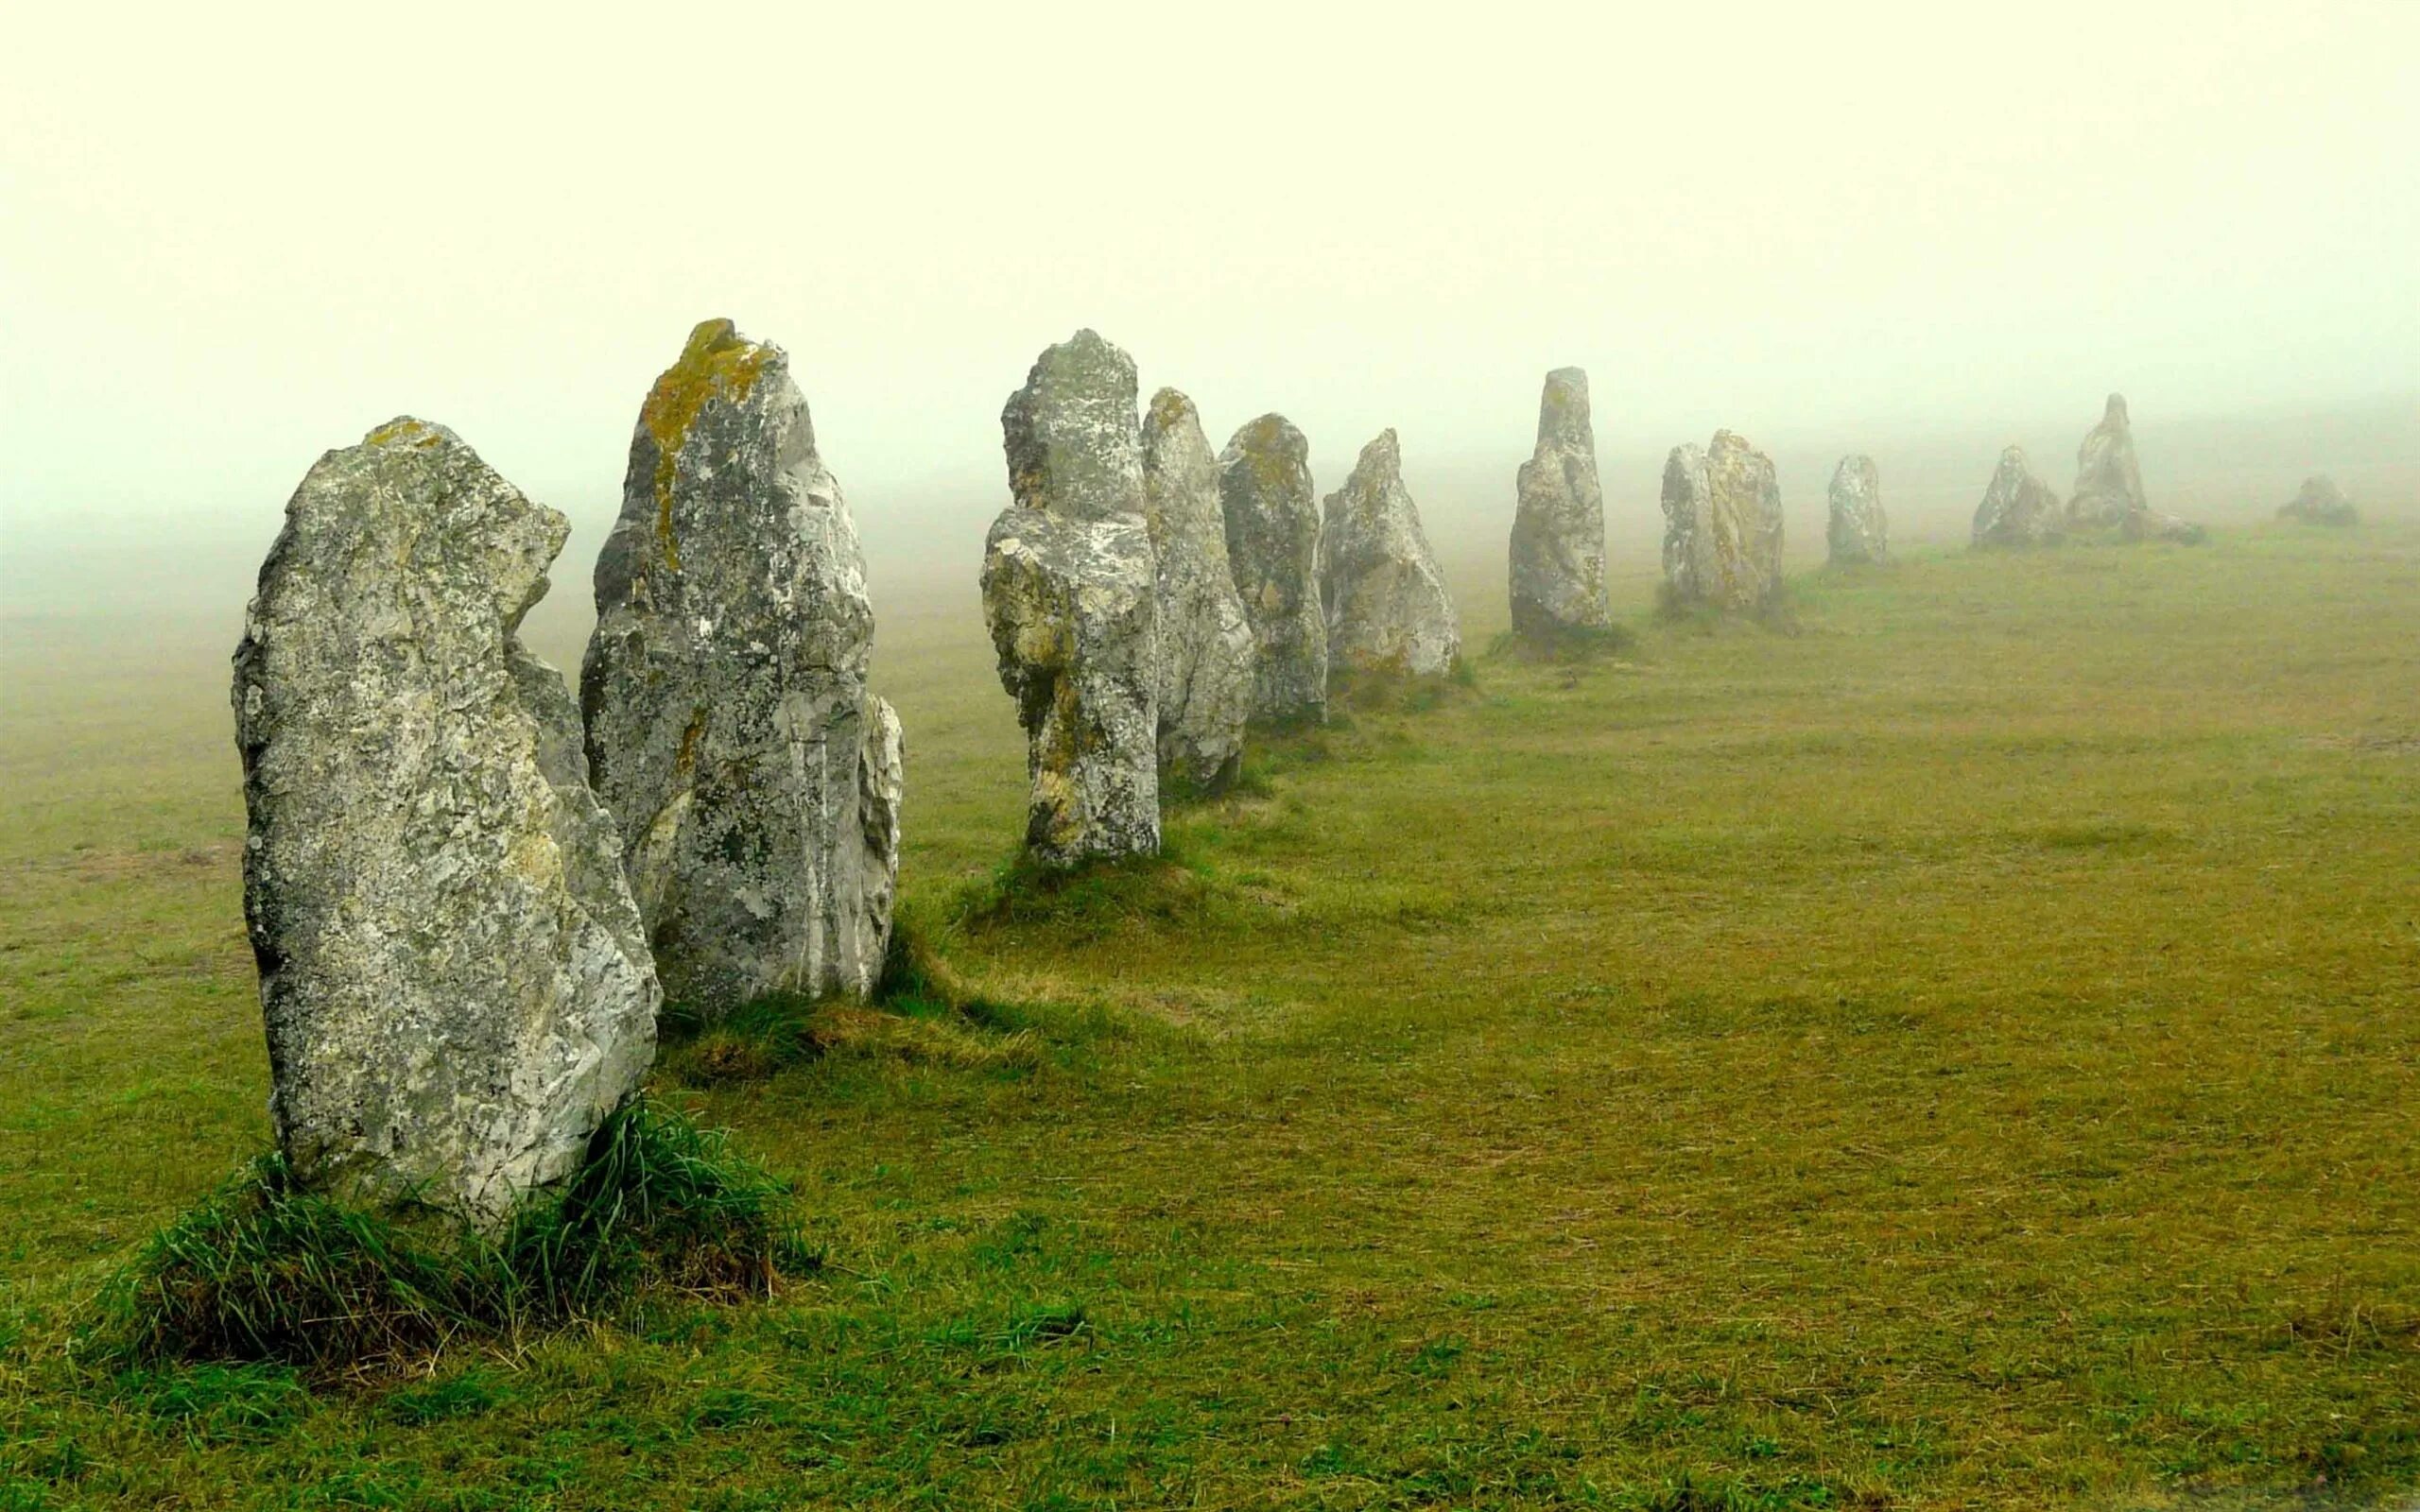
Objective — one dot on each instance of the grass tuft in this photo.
(263, 1271)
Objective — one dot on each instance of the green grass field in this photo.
(1963, 1054)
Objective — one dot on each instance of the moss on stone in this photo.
(717, 362)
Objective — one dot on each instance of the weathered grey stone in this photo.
(1388, 611)
(1558, 554)
(2018, 510)
(2321, 502)
(455, 980)
(1073, 450)
(2109, 487)
(1206, 647)
(1857, 530)
(1073, 610)
(1721, 526)
(2109, 482)
(730, 731)
(1274, 545)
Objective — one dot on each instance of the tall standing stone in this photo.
(1071, 595)
(1388, 611)
(1722, 526)
(1273, 545)
(1206, 649)
(1557, 554)
(2109, 487)
(2109, 482)
(455, 980)
(2018, 510)
(1858, 531)
(730, 731)
(1073, 610)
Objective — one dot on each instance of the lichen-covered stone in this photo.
(1206, 647)
(2319, 503)
(1072, 447)
(2018, 510)
(455, 980)
(1388, 611)
(2109, 482)
(1722, 526)
(1273, 545)
(1073, 610)
(728, 727)
(1858, 531)
(1558, 552)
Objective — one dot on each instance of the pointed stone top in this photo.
(716, 363)
(1383, 451)
(2113, 412)
(1563, 409)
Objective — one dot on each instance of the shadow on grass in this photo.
(1564, 647)
(1777, 612)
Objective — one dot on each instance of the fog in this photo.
(229, 243)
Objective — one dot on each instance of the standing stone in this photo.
(1558, 566)
(2109, 487)
(1388, 611)
(2321, 502)
(755, 781)
(1071, 593)
(455, 980)
(1721, 526)
(1204, 685)
(1858, 531)
(2018, 510)
(2109, 482)
(1073, 610)
(1273, 545)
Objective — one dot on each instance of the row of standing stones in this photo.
(1150, 601)
(470, 895)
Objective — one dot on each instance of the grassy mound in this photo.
(1571, 644)
(923, 1013)
(262, 1270)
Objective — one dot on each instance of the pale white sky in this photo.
(232, 237)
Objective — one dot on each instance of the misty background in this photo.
(232, 240)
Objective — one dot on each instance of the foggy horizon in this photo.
(1889, 231)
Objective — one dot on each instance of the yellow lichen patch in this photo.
(1170, 408)
(685, 760)
(403, 428)
(1266, 444)
(718, 362)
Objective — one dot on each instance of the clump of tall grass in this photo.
(264, 1270)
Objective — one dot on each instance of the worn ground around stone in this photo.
(1960, 1054)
